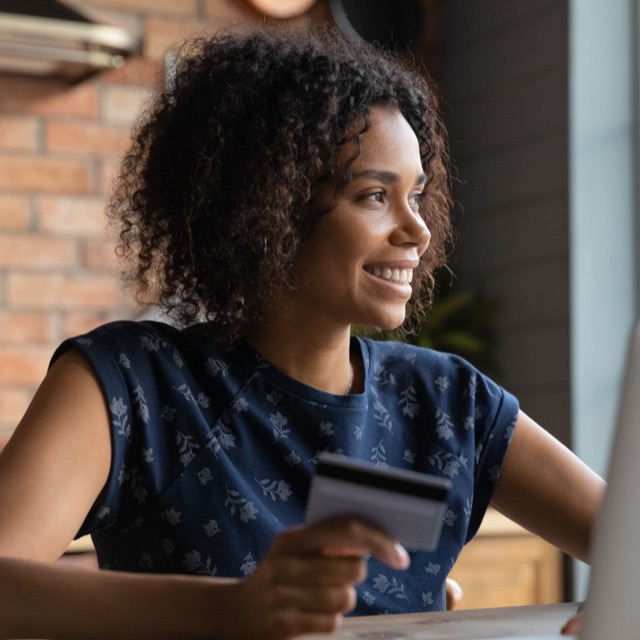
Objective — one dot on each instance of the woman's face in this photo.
(356, 266)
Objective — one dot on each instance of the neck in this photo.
(318, 359)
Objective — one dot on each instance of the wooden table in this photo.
(471, 624)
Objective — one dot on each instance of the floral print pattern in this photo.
(213, 451)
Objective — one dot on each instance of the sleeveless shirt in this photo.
(213, 451)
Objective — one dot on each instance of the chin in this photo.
(392, 323)
(374, 321)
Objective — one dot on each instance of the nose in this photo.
(411, 230)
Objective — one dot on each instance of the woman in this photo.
(284, 188)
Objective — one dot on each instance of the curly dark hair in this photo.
(213, 198)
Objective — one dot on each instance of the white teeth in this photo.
(401, 276)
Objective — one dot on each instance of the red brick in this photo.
(120, 104)
(44, 175)
(19, 133)
(13, 404)
(48, 97)
(109, 170)
(78, 217)
(59, 291)
(36, 252)
(99, 255)
(136, 71)
(25, 328)
(23, 365)
(15, 213)
(164, 34)
(227, 10)
(86, 138)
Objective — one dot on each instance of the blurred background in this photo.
(540, 99)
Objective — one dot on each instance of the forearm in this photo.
(304, 584)
(59, 602)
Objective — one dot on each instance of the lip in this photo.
(393, 264)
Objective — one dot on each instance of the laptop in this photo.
(614, 586)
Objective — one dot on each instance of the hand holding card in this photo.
(408, 505)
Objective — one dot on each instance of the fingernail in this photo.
(401, 555)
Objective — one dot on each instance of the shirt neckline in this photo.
(304, 391)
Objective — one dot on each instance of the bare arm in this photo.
(55, 464)
(300, 587)
(548, 490)
(52, 471)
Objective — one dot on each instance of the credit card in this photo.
(408, 505)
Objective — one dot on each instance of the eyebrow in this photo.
(387, 177)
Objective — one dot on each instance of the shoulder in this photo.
(127, 355)
(124, 339)
(130, 331)
(444, 378)
(132, 359)
(415, 360)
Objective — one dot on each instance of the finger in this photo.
(336, 599)
(309, 570)
(573, 626)
(345, 533)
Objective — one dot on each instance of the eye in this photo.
(374, 196)
(415, 199)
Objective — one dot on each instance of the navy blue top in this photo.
(213, 451)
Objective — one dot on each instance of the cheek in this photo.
(357, 238)
(340, 247)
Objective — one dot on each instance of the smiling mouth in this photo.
(397, 276)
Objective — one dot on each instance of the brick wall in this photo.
(59, 147)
